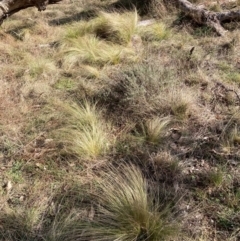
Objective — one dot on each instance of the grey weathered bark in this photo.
(9, 7)
(203, 16)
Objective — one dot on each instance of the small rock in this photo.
(147, 22)
(9, 186)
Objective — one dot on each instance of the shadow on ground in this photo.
(83, 15)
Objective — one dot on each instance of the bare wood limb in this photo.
(9, 7)
(201, 15)
(228, 16)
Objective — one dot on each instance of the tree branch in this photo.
(201, 15)
(9, 7)
(229, 16)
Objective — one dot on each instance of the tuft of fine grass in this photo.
(85, 134)
(90, 142)
(154, 129)
(118, 28)
(115, 27)
(124, 210)
(216, 178)
(41, 66)
(103, 40)
(92, 50)
(154, 32)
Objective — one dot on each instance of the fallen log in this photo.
(201, 15)
(9, 7)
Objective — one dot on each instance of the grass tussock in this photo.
(42, 67)
(103, 40)
(145, 89)
(110, 38)
(92, 50)
(138, 88)
(85, 134)
(154, 32)
(115, 27)
(124, 210)
(155, 129)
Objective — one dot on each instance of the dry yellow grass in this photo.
(126, 84)
(85, 134)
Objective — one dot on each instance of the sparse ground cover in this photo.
(112, 129)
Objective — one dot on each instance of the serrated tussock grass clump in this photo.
(86, 134)
(115, 27)
(154, 32)
(91, 142)
(233, 137)
(41, 66)
(135, 211)
(166, 167)
(230, 133)
(90, 49)
(140, 87)
(103, 40)
(154, 129)
(118, 28)
(159, 8)
(124, 210)
(180, 102)
(215, 178)
(145, 88)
